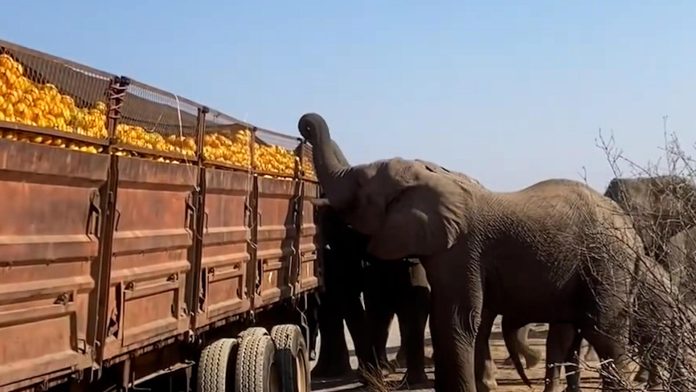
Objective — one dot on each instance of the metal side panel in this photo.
(225, 254)
(153, 235)
(309, 239)
(48, 259)
(276, 235)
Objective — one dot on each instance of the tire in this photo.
(292, 357)
(256, 369)
(253, 331)
(216, 367)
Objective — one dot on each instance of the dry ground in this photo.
(508, 380)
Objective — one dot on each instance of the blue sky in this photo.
(509, 92)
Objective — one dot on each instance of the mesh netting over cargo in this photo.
(274, 153)
(37, 89)
(156, 120)
(227, 140)
(305, 151)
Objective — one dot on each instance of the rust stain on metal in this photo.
(276, 235)
(107, 258)
(225, 255)
(46, 257)
(151, 242)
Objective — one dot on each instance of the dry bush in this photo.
(661, 308)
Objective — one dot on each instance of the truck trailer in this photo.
(146, 235)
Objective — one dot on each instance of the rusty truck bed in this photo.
(104, 256)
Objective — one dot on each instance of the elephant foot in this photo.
(417, 381)
(327, 371)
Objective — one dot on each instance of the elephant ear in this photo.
(426, 216)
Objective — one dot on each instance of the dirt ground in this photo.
(507, 378)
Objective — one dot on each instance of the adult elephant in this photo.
(678, 258)
(547, 253)
(346, 277)
(340, 300)
(661, 208)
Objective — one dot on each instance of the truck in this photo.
(145, 235)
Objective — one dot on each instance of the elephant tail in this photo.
(510, 338)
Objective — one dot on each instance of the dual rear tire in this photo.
(292, 356)
(256, 362)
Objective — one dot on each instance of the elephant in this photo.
(340, 300)
(678, 258)
(556, 251)
(346, 278)
(660, 206)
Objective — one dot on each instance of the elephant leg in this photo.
(457, 300)
(484, 366)
(561, 342)
(402, 354)
(313, 324)
(357, 323)
(380, 315)
(455, 327)
(609, 341)
(413, 315)
(333, 360)
(572, 367)
(380, 319)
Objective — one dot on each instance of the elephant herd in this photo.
(418, 240)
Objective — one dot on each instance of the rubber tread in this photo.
(213, 365)
(253, 331)
(289, 344)
(253, 356)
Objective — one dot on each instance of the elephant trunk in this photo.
(331, 166)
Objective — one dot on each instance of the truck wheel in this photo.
(257, 370)
(216, 367)
(291, 354)
(253, 331)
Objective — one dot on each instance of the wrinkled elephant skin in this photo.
(529, 254)
(345, 279)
